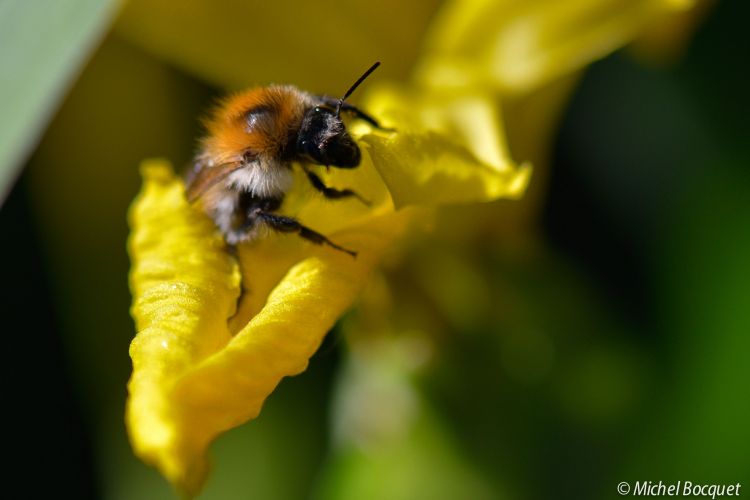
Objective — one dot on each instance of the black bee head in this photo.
(323, 139)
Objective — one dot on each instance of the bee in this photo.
(244, 165)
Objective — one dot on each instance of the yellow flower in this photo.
(199, 367)
(216, 333)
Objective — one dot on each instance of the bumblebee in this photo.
(244, 166)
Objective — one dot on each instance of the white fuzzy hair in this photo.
(263, 180)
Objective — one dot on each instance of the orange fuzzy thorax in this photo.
(228, 136)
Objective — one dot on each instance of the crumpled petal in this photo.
(185, 286)
(191, 379)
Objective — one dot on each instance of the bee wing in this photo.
(202, 177)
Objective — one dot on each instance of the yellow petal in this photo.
(448, 148)
(191, 379)
(517, 46)
(185, 286)
(280, 339)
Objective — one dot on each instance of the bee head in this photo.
(323, 139)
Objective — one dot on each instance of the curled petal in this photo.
(191, 378)
(448, 149)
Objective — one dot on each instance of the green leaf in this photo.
(43, 44)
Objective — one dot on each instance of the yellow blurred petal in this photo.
(665, 42)
(519, 45)
(191, 379)
(320, 46)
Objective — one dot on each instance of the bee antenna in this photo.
(354, 87)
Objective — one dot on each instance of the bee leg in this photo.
(331, 193)
(285, 224)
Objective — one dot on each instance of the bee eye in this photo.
(317, 109)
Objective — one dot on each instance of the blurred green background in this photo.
(616, 350)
